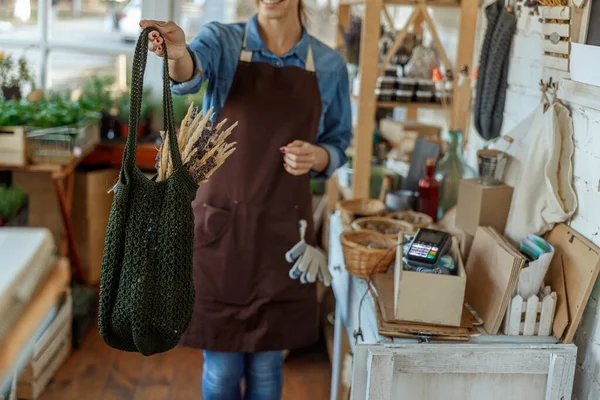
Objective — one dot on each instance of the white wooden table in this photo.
(376, 355)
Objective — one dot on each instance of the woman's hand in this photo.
(173, 35)
(181, 65)
(302, 157)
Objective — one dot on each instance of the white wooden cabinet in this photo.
(463, 372)
(488, 367)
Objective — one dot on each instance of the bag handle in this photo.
(137, 85)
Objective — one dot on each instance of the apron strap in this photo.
(246, 55)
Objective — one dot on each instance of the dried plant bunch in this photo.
(202, 146)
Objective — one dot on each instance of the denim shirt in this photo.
(216, 51)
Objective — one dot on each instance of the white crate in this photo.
(49, 353)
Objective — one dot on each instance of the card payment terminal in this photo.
(428, 246)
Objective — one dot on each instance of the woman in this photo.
(289, 93)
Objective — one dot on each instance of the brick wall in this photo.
(522, 97)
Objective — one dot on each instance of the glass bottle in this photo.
(449, 172)
(429, 189)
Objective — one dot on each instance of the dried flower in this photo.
(202, 146)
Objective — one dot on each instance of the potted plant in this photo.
(13, 74)
(124, 112)
(13, 206)
(57, 129)
(98, 95)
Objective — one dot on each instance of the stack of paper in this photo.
(492, 273)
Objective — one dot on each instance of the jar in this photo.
(443, 97)
(385, 94)
(424, 96)
(392, 70)
(407, 84)
(386, 82)
(425, 85)
(449, 172)
(404, 96)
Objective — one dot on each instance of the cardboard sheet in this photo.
(492, 272)
(400, 331)
(580, 260)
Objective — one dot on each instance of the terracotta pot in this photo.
(142, 129)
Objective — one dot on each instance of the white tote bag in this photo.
(541, 173)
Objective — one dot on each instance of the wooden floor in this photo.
(97, 372)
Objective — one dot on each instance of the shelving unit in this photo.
(370, 70)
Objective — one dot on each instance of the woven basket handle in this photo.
(137, 85)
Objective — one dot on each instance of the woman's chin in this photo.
(272, 5)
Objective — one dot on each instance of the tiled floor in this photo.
(97, 372)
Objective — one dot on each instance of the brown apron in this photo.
(247, 217)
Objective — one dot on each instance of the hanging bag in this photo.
(146, 286)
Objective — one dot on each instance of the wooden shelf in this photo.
(412, 105)
(434, 3)
(393, 104)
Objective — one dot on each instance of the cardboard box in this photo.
(91, 197)
(44, 209)
(482, 206)
(430, 298)
(91, 208)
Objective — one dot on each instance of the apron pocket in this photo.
(211, 224)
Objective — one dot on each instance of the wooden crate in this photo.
(531, 317)
(557, 44)
(49, 353)
(13, 146)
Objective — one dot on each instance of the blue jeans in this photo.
(224, 372)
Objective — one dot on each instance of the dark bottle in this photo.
(429, 189)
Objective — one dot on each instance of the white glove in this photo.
(310, 263)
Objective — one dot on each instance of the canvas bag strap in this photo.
(137, 85)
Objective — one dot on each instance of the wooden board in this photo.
(555, 278)
(369, 54)
(561, 29)
(562, 47)
(461, 98)
(579, 93)
(581, 261)
(561, 13)
(559, 63)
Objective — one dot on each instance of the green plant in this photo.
(96, 94)
(14, 73)
(54, 112)
(11, 200)
(124, 107)
(182, 103)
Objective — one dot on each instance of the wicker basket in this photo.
(393, 226)
(361, 260)
(360, 208)
(416, 219)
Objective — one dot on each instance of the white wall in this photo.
(522, 97)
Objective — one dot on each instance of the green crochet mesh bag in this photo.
(146, 286)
